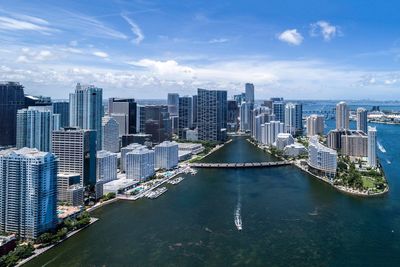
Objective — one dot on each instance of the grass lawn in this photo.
(367, 182)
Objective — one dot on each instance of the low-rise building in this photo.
(283, 140)
(193, 148)
(119, 186)
(294, 150)
(69, 189)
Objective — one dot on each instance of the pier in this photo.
(242, 165)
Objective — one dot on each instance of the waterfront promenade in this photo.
(242, 165)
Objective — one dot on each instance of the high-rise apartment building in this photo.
(173, 104)
(76, 150)
(294, 118)
(372, 159)
(62, 108)
(270, 131)
(140, 164)
(185, 120)
(110, 128)
(249, 89)
(28, 192)
(194, 100)
(11, 100)
(278, 109)
(315, 125)
(86, 109)
(106, 166)
(211, 115)
(166, 155)
(362, 120)
(321, 159)
(246, 110)
(69, 189)
(342, 116)
(125, 150)
(233, 116)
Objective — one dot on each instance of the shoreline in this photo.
(39, 251)
(340, 188)
(383, 122)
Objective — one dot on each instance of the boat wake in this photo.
(237, 217)
(381, 148)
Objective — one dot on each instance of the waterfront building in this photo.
(362, 120)
(283, 140)
(140, 164)
(212, 115)
(11, 100)
(194, 115)
(185, 119)
(126, 150)
(69, 189)
(278, 109)
(342, 116)
(249, 89)
(76, 150)
(334, 139)
(321, 159)
(62, 108)
(166, 155)
(294, 118)
(233, 116)
(110, 128)
(294, 150)
(193, 148)
(28, 192)
(34, 128)
(106, 166)
(259, 115)
(124, 110)
(315, 125)
(372, 159)
(86, 109)
(155, 120)
(354, 143)
(271, 131)
(246, 116)
(173, 104)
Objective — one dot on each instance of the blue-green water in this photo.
(289, 219)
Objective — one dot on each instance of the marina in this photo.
(176, 180)
(156, 193)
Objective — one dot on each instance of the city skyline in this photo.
(120, 46)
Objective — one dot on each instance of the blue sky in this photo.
(144, 49)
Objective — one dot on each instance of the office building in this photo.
(372, 159)
(28, 192)
(211, 115)
(110, 128)
(166, 155)
(194, 116)
(249, 89)
(185, 120)
(69, 189)
(321, 159)
(124, 110)
(362, 120)
(76, 150)
(294, 118)
(342, 116)
(173, 104)
(86, 109)
(140, 164)
(240, 98)
(11, 100)
(34, 128)
(315, 125)
(233, 116)
(37, 101)
(155, 120)
(62, 108)
(106, 166)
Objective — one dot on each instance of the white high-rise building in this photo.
(110, 128)
(271, 131)
(362, 120)
(126, 150)
(28, 192)
(315, 125)
(166, 155)
(321, 158)
(106, 166)
(34, 128)
(245, 116)
(342, 116)
(293, 118)
(140, 164)
(372, 161)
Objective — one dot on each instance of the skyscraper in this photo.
(76, 150)
(246, 116)
(315, 125)
(156, 120)
(372, 147)
(233, 116)
(294, 118)
(342, 116)
(86, 109)
(140, 164)
(211, 115)
(166, 155)
(110, 128)
(194, 98)
(185, 119)
(106, 166)
(34, 128)
(270, 132)
(62, 108)
(11, 100)
(28, 192)
(124, 108)
(249, 87)
(362, 120)
(322, 159)
(278, 109)
(173, 104)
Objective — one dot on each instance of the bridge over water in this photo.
(241, 165)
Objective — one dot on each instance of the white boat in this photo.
(238, 220)
(381, 148)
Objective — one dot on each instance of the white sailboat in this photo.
(238, 218)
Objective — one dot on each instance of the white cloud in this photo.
(324, 29)
(291, 36)
(135, 29)
(100, 54)
(30, 56)
(218, 40)
(12, 24)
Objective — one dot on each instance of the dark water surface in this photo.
(289, 219)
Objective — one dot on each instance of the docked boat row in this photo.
(156, 193)
(176, 180)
